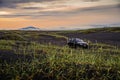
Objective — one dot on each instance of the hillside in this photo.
(44, 55)
(100, 35)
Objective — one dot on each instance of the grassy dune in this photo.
(93, 30)
(23, 60)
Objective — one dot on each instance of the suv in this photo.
(76, 42)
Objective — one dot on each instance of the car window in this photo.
(79, 40)
(75, 40)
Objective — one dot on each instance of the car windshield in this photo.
(79, 40)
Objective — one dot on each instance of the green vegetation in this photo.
(50, 62)
(12, 36)
(55, 35)
(23, 56)
(111, 29)
(6, 45)
(93, 30)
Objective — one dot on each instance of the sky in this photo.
(58, 14)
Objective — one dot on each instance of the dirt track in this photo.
(45, 39)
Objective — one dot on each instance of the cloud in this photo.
(35, 13)
(91, 0)
(23, 1)
(101, 8)
(39, 8)
(13, 3)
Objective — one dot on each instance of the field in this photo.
(44, 55)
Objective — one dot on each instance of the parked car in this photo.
(76, 42)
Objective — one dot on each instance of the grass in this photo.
(55, 35)
(51, 62)
(11, 36)
(93, 30)
(24, 58)
(6, 45)
(112, 29)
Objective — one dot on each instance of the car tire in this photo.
(85, 46)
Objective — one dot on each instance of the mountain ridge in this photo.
(30, 28)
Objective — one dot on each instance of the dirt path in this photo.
(46, 39)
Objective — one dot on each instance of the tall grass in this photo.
(50, 62)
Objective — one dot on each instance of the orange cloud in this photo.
(57, 13)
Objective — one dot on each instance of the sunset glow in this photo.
(54, 14)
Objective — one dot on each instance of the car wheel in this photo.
(85, 46)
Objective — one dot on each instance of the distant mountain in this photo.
(31, 28)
